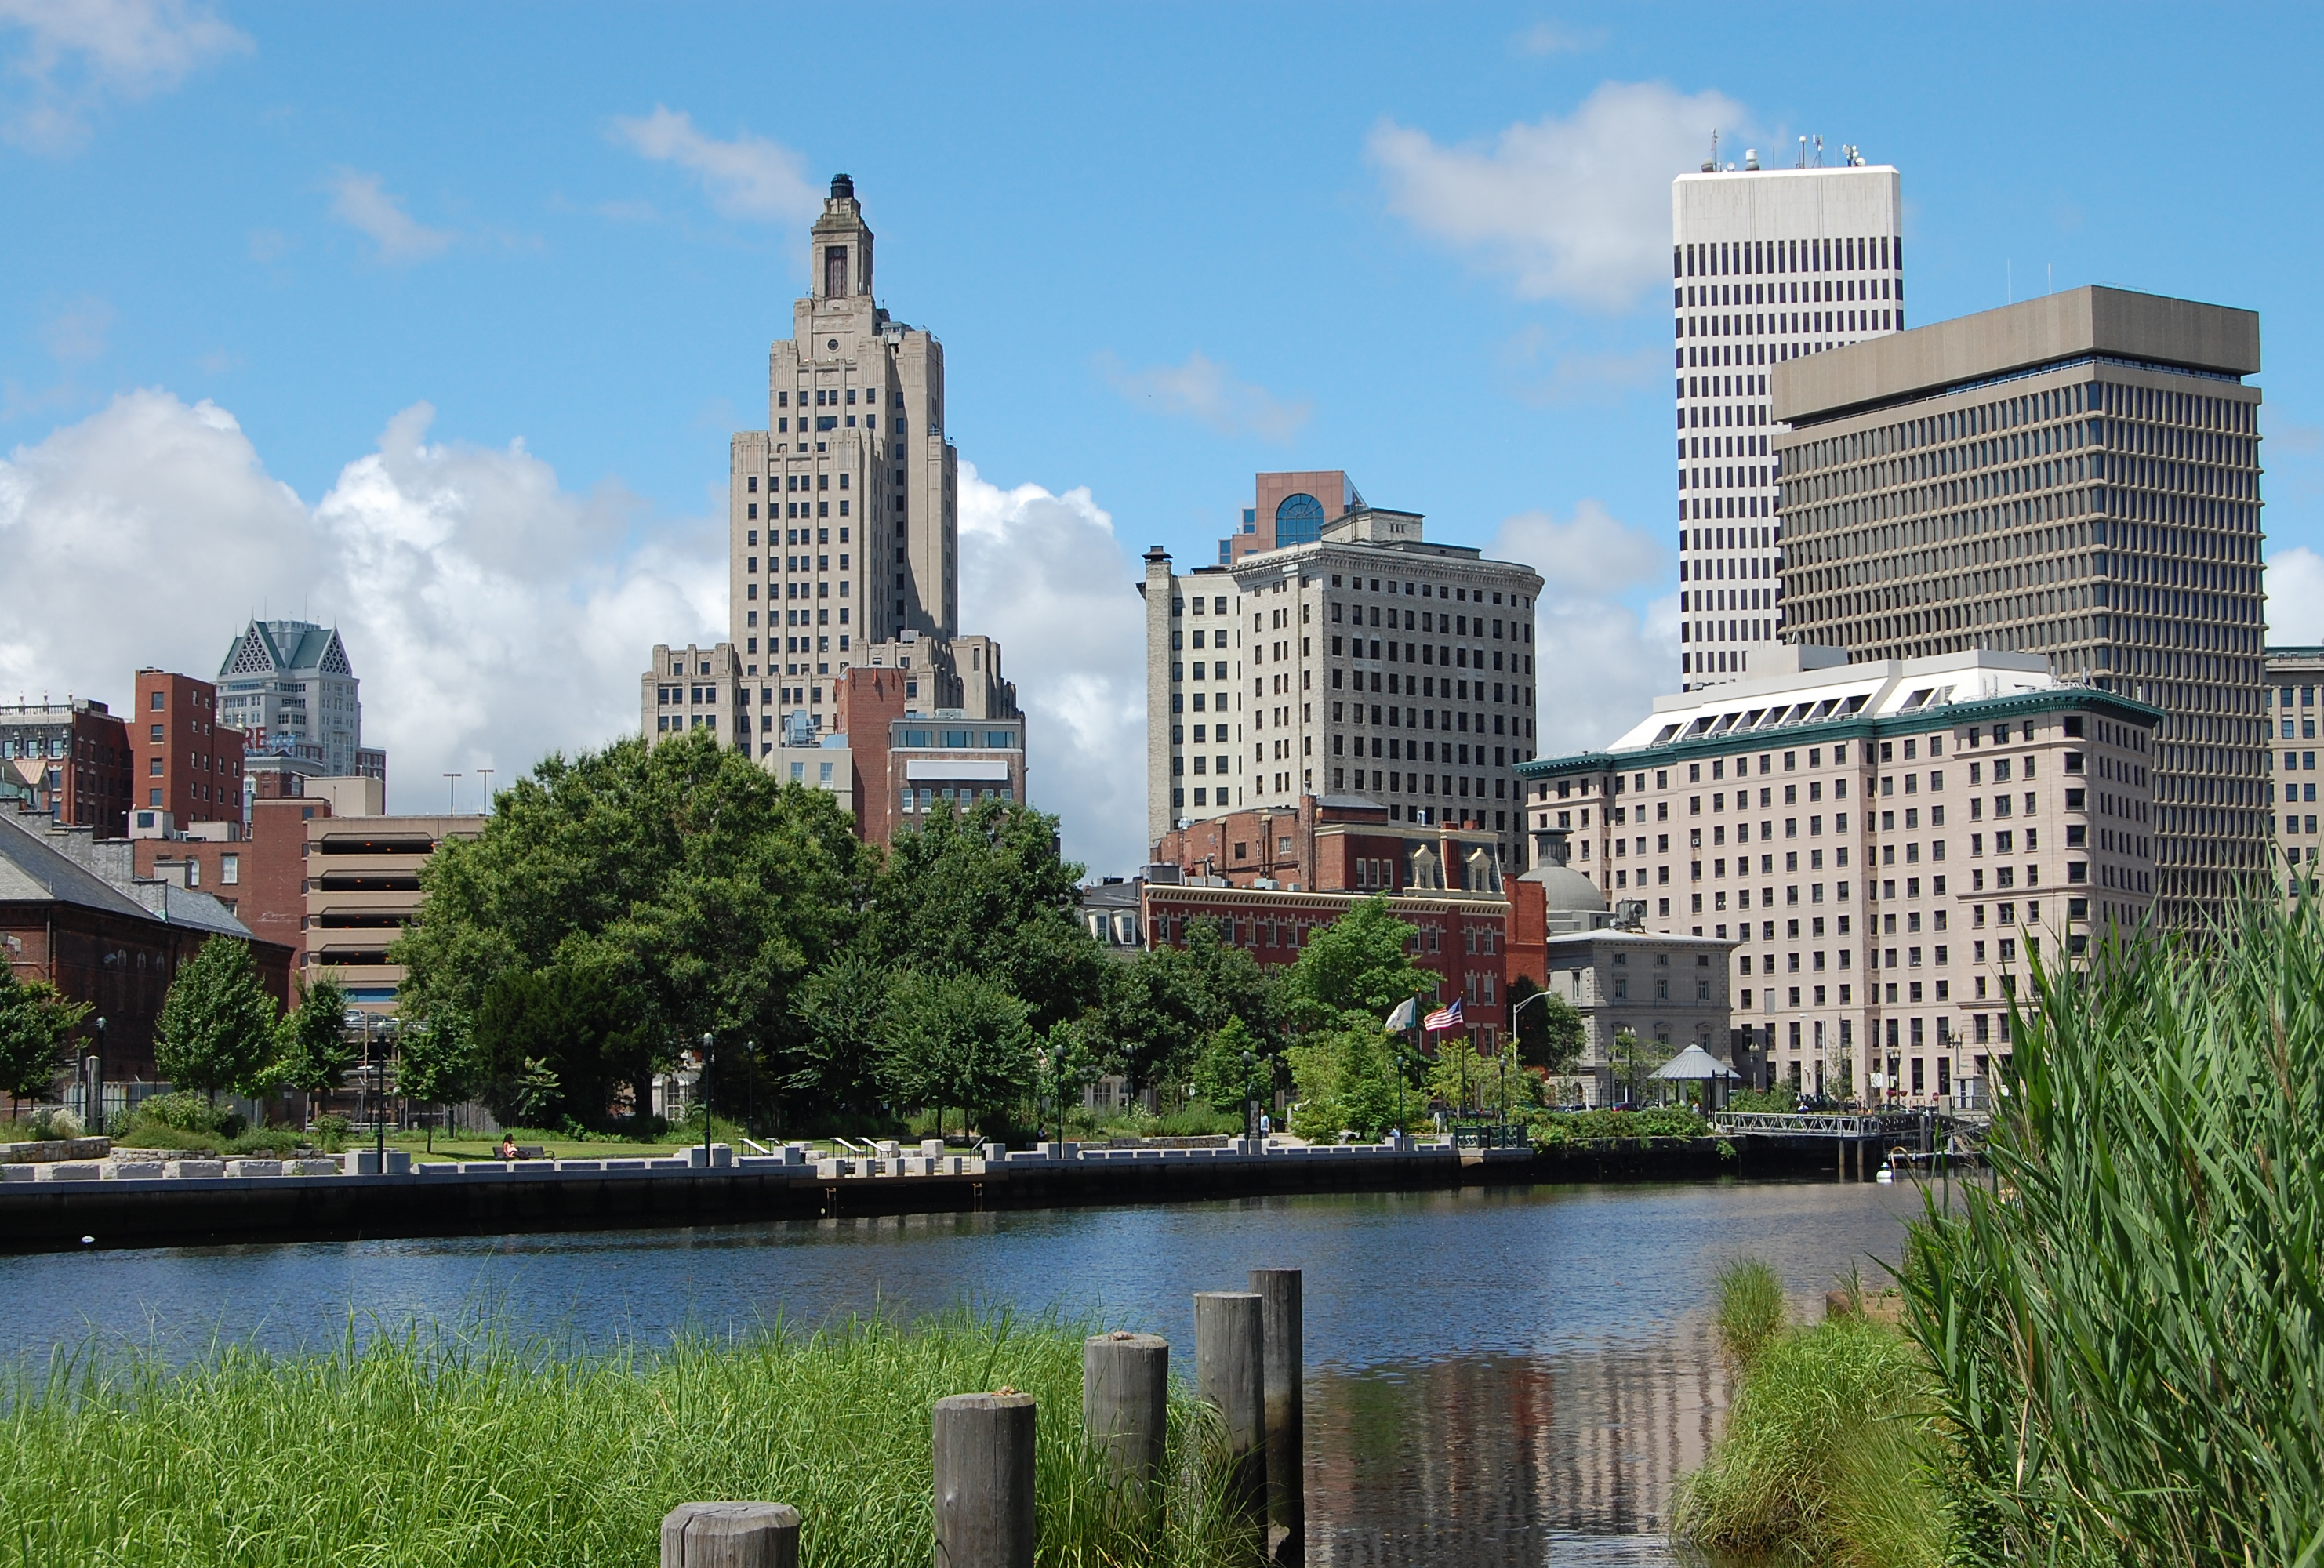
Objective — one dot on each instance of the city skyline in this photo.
(566, 276)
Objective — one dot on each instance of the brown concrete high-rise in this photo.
(2076, 477)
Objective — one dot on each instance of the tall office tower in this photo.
(289, 687)
(1265, 682)
(859, 486)
(1767, 264)
(2294, 676)
(2076, 477)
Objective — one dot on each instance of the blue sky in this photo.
(477, 295)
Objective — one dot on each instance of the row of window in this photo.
(796, 563)
(1749, 258)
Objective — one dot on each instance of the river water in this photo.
(1511, 1375)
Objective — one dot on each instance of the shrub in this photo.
(330, 1132)
(55, 1121)
(1197, 1118)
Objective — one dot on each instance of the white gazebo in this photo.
(1696, 1066)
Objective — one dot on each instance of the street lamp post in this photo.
(95, 1107)
(707, 1041)
(1040, 1110)
(1249, 1097)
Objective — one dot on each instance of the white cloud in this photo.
(79, 52)
(76, 334)
(1599, 663)
(493, 615)
(1545, 38)
(1047, 576)
(1576, 209)
(358, 200)
(1577, 377)
(2295, 596)
(1205, 390)
(749, 177)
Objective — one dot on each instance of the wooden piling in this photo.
(1231, 1373)
(984, 1480)
(730, 1535)
(1126, 1408)
(1283, 1351)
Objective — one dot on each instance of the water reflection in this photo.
(1495, 1376)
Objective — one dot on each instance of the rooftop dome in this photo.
(1565, 891)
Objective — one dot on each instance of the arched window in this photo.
(1298, 521)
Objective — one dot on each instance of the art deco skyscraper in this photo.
(1766, 266)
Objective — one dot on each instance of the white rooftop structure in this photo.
(1822, 686)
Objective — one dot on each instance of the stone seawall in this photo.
(495, 1198)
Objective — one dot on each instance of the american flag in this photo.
(1443, 1018)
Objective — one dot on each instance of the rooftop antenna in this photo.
(1819, 150)
(1803, 153)
(1710, 164)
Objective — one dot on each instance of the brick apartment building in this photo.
(70, 761)
(183, 760)
(1272, 878)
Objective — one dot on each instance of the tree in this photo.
(1162, 1007)
(1345, 1079)
(1551, 1034)
(1635, 1061)
(682, 879)
(217, 1024)
(831, 1057)
(1358, 963)
(554, 1044)
(956, 1039)
(311, 1052)
(983, 891)
(35, 1021)
(1221, 1077)
(436, 1064)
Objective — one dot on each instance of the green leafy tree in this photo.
(1551, 1034)
(1072, 1057)
(1164, 1005)
(1360, 964)
(436, 1064)
(1345, 1080)
(35, 1022)
(555, 1043)
(217, 1024)
(956, 1039)
(1635, 1063)
(312, 1053)
(983, 891)
(1222, 1078)
(682, 879)
(831, 1057)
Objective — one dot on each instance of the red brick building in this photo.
(184, 762)
(69, 761)
(73, 913)
(1333, 843)
(869, 700)
(259, 877)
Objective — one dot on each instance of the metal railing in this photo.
(1813, 1124)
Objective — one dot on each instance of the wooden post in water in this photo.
(1283, 1352)
(1126, 1408)
(984, 1480)
(730, 1535)
(1231, 1373)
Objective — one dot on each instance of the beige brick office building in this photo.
(2295, 695)
(1889, 843)
(2075, 477)
(1367, 662)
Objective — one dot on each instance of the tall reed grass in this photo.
(447, 1451)
(1824, 1455)
(2128, 1328)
